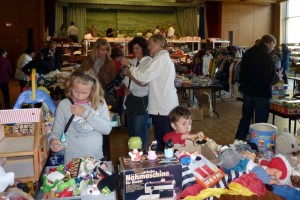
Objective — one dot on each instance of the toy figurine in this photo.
(47, 186)
(152, 151)
(65, 185)
(63, 140)
(169, 148)
(87, 166)
(135, 143)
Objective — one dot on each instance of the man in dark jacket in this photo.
(52, 57)
(257, 75)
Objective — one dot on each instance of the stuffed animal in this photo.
(6, 179)
(108, 183)
(281, 164)
(228, 157)
(47, 186)
(240, 145)
(286, 145)
(87, 166)
(295, 181)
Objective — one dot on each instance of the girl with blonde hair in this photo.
(84, 137)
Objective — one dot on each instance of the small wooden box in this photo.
(23, 145)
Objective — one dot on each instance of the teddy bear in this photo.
(286, 145)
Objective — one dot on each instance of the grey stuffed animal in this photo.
(228, 157)
(286, 145)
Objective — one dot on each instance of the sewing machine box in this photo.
(150, 179)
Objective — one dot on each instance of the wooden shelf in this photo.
(16, 146)
(23, 155)
(22, 166)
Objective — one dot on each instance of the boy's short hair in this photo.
(179, 111)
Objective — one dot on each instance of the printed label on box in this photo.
(206, 173)
(158, 179)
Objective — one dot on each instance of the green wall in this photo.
(129, 23)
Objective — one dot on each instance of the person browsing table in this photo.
(136, 99)
(160, 76)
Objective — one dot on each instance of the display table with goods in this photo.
(195, 42)
(82, 178)
(203, 169)
(202, 88)
(295, 54)
(286, 108)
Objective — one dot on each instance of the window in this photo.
(293, 21)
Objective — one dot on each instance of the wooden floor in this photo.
(221, 130)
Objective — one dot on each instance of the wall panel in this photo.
(22, 15)
(247, 21)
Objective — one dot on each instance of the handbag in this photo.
(136, 105)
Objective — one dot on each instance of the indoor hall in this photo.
(198, 24)
(222, 129)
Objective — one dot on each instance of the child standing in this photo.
(91, 121)
(181, 122)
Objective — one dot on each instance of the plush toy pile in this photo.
(82, 176)
(247, 171)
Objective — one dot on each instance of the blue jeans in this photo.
(138, 126)
(258, 105)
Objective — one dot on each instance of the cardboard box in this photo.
(150, 179)
(197, 114)
(191, 147)
(206, 173)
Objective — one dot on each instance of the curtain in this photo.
(78, 16)
(186, 20)
(202, 25)
(213, 19)
(49, 6)
(58, 18)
